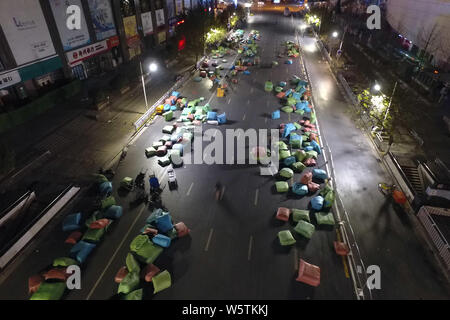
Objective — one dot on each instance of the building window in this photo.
(158, 4)
(127, 8)
(145, 6)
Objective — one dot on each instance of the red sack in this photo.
(341, 248)
(313, 187)
(307, 178)
(34, 283)
(122, 273)
(282, 125)
(182, 229)
(99, 224)
(283, 214)
(308, 273)
(168, 144)
(56, 273)
(74, 237)
(149, 272)
(150, 231)
(281, 95)
(309, 162)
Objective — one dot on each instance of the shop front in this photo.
(96, 59)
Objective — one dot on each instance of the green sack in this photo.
(286, 238)
(172, 234)
(313, 118)
(286, 173)
(108, 202)
(138, 242)
(296, 144)
(148, 253)
(168, 116)
(282, 145)
(304, 228)
(129, 283)
(284, 154)
(161, 281)
(93, 235)
(291, 101)
(134, 295)
(300, 111)
(64, 262)
(325, 218)
(311, 154)
(268, 86)
(300, 155)
(298, 167)
(326, 189)
(132, 264)
(150, 152)
(287, 109)
(298, 215)
(306, 144)
(329, 199)
(49, 291)
(297, 126)
(282, 186)
(278, 89)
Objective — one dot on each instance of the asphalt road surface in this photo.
(233, 250)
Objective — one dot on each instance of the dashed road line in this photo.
(251, 90)
(229, 101)
(223, 192)
(256, 196)
(243, 118)
(209, 239)
(250, 244)
(190, 188)
(248, 101)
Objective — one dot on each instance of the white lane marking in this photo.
(250, 243)
(190, 188)
(243, 118)
(248, 101)
(229, 100)
(209, 239)
(251, 90)
(267, 102)
(115, 253)
(266, 120)
(256, 196)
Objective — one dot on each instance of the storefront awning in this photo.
(40, 68)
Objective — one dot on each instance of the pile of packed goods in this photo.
(179, 135)
(50, 284)
(139, 271)
(298, 150)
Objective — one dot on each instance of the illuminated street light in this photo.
(153, 67)
(335, 34)
(377, 87)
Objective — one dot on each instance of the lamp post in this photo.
(377, 88)
(152, 68)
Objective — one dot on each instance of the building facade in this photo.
(39, 52)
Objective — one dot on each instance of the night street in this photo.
(232, 251)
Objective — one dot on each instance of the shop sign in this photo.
(9, 78)
(75, 56)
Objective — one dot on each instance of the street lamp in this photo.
(377, 87)
(152, 68)
(334, 34)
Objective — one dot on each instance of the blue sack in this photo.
(72, 222)
(105, 188)
(113, 212)
(163, 223)
(81, 250)
(167, 107)
(222, 118)
(282, 84)
(211, 115)
(288, 93)
(317, 203)
(246, 72)
(179, 147)
(301, 90)
(302, 105)
(289, 161)
(161, 240)
(296, 96)
(309, 148)
(300, 189)
(320, 174)
(288, 129)
(276, 115)
(316, 147)
(307, 110)
(175, 93)
(173, 108)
